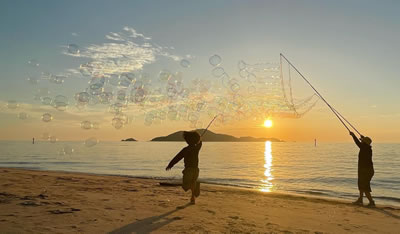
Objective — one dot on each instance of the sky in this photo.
(349, 51)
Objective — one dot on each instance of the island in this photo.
(129, 139)
(214, 137)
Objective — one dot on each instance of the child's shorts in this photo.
(190, 175)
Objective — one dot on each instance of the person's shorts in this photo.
(190, 175)
(364, 180)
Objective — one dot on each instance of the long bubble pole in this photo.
(323, 99)
(205, 130)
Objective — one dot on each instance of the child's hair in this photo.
(191, 138)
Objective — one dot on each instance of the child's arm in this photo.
(358, 143)
(198, 145)
(175, 160)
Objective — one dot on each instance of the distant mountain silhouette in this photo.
(129, 139)
(211, 136)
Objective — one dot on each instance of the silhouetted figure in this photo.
(365, 169)
(315, 142)
(33, 140)
(191, 159)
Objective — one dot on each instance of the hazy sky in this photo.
(348, 49)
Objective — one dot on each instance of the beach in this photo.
(64, 202)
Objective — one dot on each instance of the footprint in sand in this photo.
(234, 217)
(211, 212)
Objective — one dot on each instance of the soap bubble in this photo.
(45, 136)
(241, 65)
(22, 115)
(86, 125)
(117, 123)
(46, 101)
(67, 150)
(53, 139)
(126, 79)
(60, 102)
(106, 97)
(218, 72)
(57, 79)
(172, 114)
(82, 98)
(43, 92)
(73, 49)
(215, 60)
(251, 89)
(90, 142)
(12, 104)
(33, 63)
(164, 75)
(185, 63)
(46, 117)
(235, 87)
(95, 125)
(32, 80)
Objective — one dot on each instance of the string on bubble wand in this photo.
(337, 113)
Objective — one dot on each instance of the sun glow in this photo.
(268, 123)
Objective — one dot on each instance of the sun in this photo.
(268, 123)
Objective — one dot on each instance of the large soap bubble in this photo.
(47, 117)
(60, 102)
(86, 125)
(46, 100)
(185, 63)
(90, 142)
(12, 104)
(73, 49)
(218, 72)
(215, 60)
(33, 63)
(32, 80)
(67, 150)
(22, 115)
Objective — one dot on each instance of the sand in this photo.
(60, 202)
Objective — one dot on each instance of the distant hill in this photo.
(216, 137)
(129, 139)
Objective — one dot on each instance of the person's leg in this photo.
(193, 198)
(359, 201)
(371, 201)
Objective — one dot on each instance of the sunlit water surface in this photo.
(330, 169)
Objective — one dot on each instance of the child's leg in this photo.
(193, 198)
(361, 196)
(368, 195)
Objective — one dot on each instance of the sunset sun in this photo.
(268, 123)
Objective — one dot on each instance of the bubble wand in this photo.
(205, 130)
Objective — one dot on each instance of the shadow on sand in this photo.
(150, 224)
(384, 210)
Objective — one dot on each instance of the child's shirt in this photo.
(190, 154)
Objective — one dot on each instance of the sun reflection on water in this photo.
(267, 181)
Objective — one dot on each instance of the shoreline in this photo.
(232, 186)
(64, 202)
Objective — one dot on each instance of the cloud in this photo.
(128, 51)
(74, 34)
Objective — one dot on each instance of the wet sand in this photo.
(60, 202)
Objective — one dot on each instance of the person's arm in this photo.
(198, 145)
(358, 143)
(176, 159)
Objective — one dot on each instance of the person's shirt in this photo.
(190, 154)
(364, 156)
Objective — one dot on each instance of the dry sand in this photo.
(60, 202)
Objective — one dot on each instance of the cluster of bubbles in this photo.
(255, 91)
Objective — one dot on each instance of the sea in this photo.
(325, 170)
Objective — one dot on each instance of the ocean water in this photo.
(328, 170)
